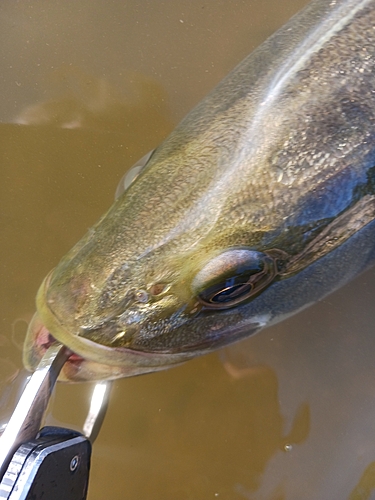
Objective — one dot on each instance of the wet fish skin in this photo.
(280, 156)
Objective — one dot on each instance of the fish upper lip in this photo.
(92, 351)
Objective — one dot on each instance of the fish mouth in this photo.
(89, 360)
(80, 366)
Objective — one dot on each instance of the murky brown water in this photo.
(288, 414)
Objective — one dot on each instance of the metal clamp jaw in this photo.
(51, 463)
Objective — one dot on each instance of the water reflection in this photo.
(323, 357)
(84, 101)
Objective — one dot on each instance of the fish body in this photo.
(261, 202)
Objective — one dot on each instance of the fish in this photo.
(260, 203)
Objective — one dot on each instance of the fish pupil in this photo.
(231, 292)
(233, 287)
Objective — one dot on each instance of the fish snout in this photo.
(68, 298)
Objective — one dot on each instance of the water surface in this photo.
(88, 87)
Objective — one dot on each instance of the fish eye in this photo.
(132, 174)
(234, 277)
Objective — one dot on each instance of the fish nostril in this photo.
(159, 288)
(141, 296)
(67, 298)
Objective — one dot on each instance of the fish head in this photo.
(141, 292)
(170, 273)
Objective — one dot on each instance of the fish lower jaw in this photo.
(89, 360)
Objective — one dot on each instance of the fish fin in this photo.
(130, 176)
